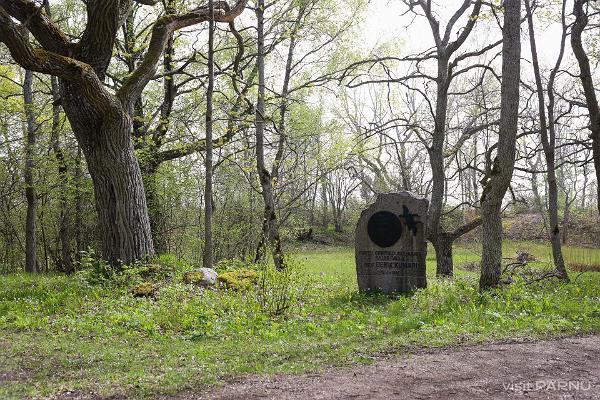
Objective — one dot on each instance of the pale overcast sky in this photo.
(384, 22)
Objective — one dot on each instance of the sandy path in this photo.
(567, 368)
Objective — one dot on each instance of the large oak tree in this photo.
(100, 118)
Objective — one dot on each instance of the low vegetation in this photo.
(90, 333)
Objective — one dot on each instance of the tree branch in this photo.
(37, 21)
(50, 63)
(164, 26)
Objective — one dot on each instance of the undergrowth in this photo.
(89, 332)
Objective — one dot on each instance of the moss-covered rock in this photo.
(239, 279)
(146, 289)
(193, 277)
(201, 277)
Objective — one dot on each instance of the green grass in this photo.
(62, 333)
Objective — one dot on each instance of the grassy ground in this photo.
(64, 333)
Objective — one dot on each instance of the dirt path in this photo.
(566, 368)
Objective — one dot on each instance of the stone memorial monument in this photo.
(390, 246)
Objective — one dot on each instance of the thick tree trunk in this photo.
(500, 173)
(443, 256)
(491, 259)
(120, 201)
(29, 130)
(118, 188)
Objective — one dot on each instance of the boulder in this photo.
(201, 277)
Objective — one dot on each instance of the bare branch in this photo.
(164, 26)
(37, 21)
(50, 63)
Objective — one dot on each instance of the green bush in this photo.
(278, 291)
(94, 270)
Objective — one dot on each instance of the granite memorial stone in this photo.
(390, 247)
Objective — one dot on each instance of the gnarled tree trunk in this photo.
(270, 230)
(105, 140)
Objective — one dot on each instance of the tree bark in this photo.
(118, 189)
(30, 195)
(501, 172)
(443, 256)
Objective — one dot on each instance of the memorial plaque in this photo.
(390, 246)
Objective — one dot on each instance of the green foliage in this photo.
(94, 270)
(278, 291)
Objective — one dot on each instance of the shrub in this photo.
(232, 264)
(279, 290)
(94, 270)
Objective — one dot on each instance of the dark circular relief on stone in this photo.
(384, 228)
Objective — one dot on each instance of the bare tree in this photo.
(580, 11)
(548, 137)
(501, 171)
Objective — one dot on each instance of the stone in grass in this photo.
(146, 289)
(239, 279)
(201, 277)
